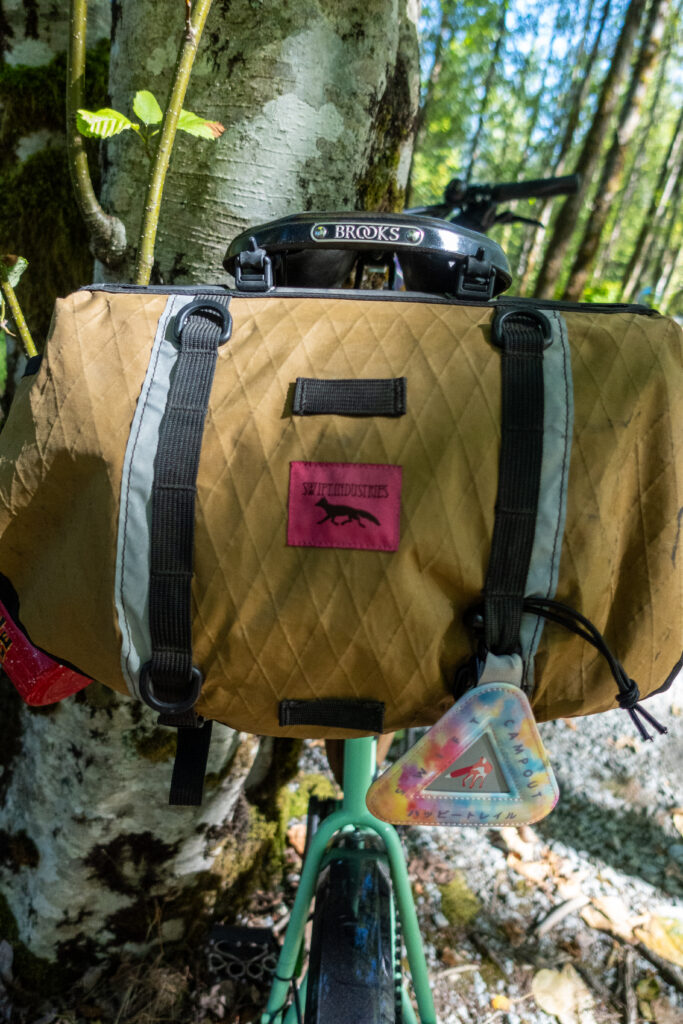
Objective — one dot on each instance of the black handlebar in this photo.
(540, 187)
(474, 206)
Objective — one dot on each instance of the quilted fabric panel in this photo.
(310, 623)
(621, 563)
(61, 457)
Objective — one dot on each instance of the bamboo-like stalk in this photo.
(181, 79)
(107, 233)
(18, 316)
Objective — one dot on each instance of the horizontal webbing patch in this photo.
(336, 713)
(369, 397)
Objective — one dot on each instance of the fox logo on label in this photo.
(353, 515)
(474, 773)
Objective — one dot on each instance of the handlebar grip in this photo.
(540, 187)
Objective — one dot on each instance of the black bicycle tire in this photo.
(352, 969)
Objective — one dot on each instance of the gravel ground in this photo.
(610, 849)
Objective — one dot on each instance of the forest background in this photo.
(520, 90)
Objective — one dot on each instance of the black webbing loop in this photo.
(169, 682)
(522, 336)
(332, 712)
(362, 397)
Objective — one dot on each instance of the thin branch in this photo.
(18, 316)
(186, 57)
(107, 233)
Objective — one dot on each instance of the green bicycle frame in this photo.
(359, 770)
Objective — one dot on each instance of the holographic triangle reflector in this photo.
(482, 764)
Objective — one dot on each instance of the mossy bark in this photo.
(38, 218)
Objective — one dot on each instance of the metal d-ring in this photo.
(169, 707)
(197, 306)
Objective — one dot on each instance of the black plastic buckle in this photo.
(202, 306)
(169, 707)
(253, 269)
(476, 279)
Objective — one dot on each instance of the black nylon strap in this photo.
(170, 682)
(338, 713)
(173, 498)
(522, 336)
(369, 397)
(189, 767)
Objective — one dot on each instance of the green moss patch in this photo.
(459, 904)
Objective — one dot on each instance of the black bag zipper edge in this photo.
(376, 296)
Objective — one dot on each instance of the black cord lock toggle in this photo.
(628, 694)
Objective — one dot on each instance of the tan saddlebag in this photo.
(345, 496)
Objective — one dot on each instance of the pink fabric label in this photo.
(344, 505)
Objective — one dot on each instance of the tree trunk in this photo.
(590, 152)
(494, 68)
(633, 170)
(578, 93)
(661, 196)
(613, 165)
(319, 104)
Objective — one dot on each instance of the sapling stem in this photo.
(18, 316)
(188, 50)
(107, 233)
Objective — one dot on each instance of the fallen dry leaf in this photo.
(296, 837)
(517, 844)
(677, 815)
(628, 741)
(663, 934)
(610, 914)
(563, 994)
(537, 871)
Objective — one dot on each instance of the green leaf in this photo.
(102, 124)
(199, 126)
(11, 268)
(146, 107)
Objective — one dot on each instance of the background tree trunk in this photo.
(590, 152)
(661, 196)
(319, 104)
(494, 69)
(533, 245)
(613, 165)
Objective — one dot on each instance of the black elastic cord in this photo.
(628, 692)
